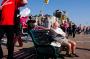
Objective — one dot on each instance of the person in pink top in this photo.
(66, 25)
(23, 21)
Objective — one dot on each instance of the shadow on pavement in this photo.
(83, 49)
(25, 53)
(29, 53)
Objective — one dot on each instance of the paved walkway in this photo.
(83, 48)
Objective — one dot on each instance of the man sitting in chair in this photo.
(60, 37)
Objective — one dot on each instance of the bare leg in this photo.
(73, 46)
(69, 48)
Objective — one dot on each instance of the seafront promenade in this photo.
(27, 51)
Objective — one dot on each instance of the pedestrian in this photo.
(47, 23)
(69, 30)
(8, 8)
(73, 30)
(66, 25)
(18, 29)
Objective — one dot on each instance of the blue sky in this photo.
(77, 10)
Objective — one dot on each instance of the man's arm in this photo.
(61, 32)
(40, 28)
(24, 1)
(0, 7)
(21, 3)
(5, 3)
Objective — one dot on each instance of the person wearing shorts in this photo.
(60, 37)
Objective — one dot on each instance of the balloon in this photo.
(46, 1)
(25, 12)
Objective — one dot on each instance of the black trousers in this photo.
(73, 33)
(9, 31)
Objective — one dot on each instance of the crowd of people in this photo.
(59, 36)
(11, 26)
(84, 30)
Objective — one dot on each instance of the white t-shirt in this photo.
(60, 31)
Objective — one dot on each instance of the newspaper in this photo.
(56, 44)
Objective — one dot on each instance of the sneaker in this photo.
(75, 55)
(69, 55)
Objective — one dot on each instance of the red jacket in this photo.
(8, 12)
